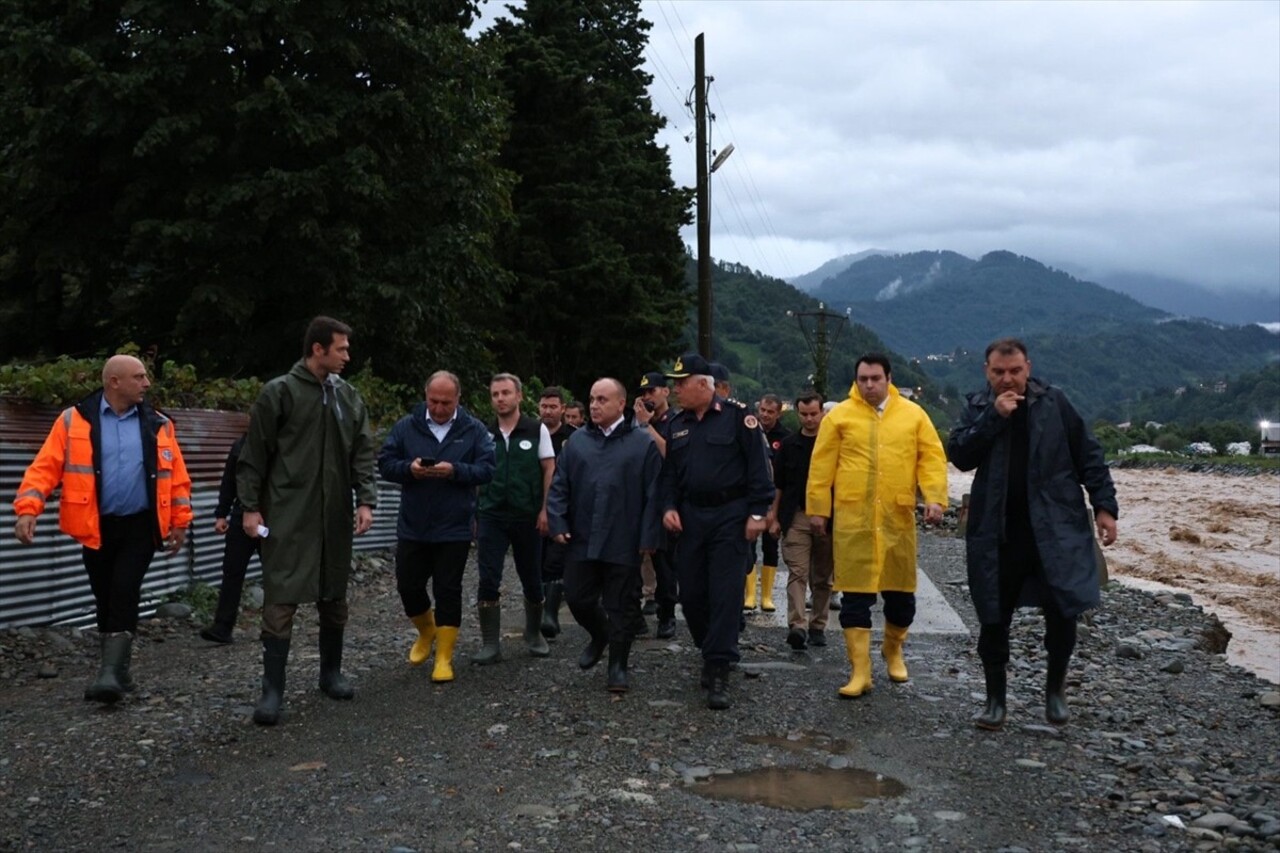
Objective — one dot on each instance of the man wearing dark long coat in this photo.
(308, 448)
(603, 507)
(1029, 539)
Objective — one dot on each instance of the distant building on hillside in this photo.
(1270, 443)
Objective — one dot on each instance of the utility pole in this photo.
(820, 341)
(704, 199)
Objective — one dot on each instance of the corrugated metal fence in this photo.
(44, 583)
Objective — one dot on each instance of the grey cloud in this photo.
(1117, 135)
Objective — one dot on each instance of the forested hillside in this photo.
(199, 179)
(766, 350)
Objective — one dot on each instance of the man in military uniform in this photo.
(716, 490)
(652, 411)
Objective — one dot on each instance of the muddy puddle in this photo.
(802, 790)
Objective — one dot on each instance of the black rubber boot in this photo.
(126, 676)
(992, 716)
(552, 596)
(224, 615)
(718, 686)
(216, 632)
(533, 639)
(1055, 694)
(332, 682)
(490, 616)
(666, 627)
(108, 687)
(595, 622)
(618, 654)
(275, 656)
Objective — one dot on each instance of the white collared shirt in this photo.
(608, 431)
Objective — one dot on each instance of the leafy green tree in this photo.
(595, 248)
(204, 177)
(1111, 439)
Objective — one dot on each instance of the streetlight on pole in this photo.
(820, 339)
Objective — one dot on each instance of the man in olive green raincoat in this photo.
(308, 448)
(872, 454)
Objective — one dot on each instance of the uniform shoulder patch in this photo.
(751, 422)
(738, 403)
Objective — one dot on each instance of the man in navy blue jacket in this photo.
(604, 506)
(439, 455)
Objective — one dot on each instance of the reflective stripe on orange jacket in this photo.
(67, 458)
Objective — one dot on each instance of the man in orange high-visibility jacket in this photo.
(125, 492)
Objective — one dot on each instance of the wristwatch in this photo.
(757, 518)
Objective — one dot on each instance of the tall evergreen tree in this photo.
(206, 176)
(595, 248)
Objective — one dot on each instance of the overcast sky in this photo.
(1138, 136)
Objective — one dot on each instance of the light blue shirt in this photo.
(124, 477)
(441, 430)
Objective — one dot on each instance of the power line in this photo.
(667, 21)
(752, 190)
(626, 61)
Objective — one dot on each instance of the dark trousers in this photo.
(494, 536)
(117, 568)
(667, 592)
(553, 560)
(768, 550)
(601, 597)
(710, 554)
(441, 564)
(237, 550)
(855, 608)
(1019, 565)
(277, 619)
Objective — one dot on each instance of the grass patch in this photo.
(200, 597)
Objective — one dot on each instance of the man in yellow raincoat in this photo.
(873, 452)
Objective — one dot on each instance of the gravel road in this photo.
(1169, 747)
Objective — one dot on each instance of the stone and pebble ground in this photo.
(1168, 748)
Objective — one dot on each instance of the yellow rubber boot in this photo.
(891, 651)
(446, 636)
(767, 574)
(857, 642)
(749, 593)
(426, 625)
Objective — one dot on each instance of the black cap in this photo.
(652, 379)
(689, 364)
(719, 372)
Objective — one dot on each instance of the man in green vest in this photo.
(513, 514)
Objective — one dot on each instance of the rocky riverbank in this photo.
(1169, 747)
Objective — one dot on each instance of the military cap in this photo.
(652, 379)
(689, 364)
(719, 372)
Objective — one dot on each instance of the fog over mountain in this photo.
(1177, 297)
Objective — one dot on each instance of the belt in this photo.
(713, 499)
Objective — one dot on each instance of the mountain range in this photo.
(1175, 296)
(940, 309)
